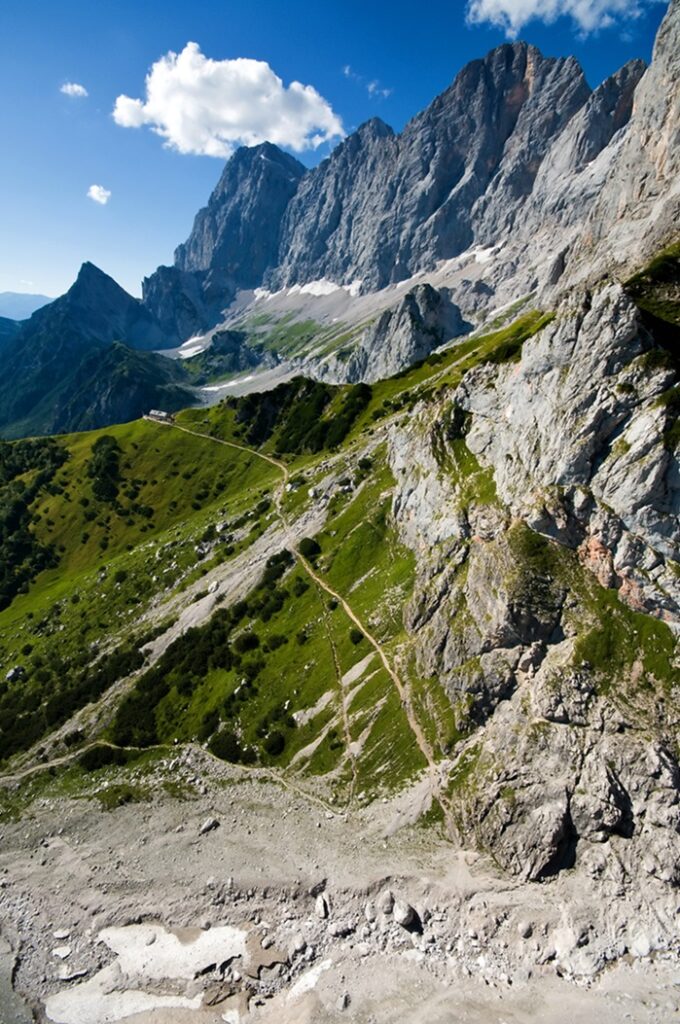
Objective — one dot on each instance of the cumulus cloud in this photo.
(588, 15)
(373, 87)
(209, 107)
(74, 89)
(99, 194)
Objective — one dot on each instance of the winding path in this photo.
(401, 688)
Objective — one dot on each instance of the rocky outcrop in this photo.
(408, 332)
(176, 299)
(575, 434)
(569, 759)
(561, 781)
(229, 352)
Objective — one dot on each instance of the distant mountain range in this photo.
(20, 305)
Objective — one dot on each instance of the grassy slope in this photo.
(191, 484)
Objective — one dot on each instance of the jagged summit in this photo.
(254, 184)
(374, 128)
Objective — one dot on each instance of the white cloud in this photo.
(205, 106)
(74, 89)
(588, 15)
(99, 194)
(373, 88)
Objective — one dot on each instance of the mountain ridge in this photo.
(384, 206)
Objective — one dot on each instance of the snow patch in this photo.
(228, 384)
(146, 954)
(354, 289)
(192, 346)
(317, 288)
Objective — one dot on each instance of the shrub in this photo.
(300, 585)
(247, 641)
(309, 548)
(210, 722)
(275, 743)
(226, 746)
(101, 756)
(117, 796)
(275, 641)
(355, 635)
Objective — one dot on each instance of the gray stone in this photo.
(321, 906)
(385, 901)
(403, 913)
(209, 825)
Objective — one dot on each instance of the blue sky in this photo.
(387, 58)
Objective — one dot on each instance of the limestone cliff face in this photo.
(517, 156)
(526, 492)
(638, 208)
(384, 206)
(575, 434)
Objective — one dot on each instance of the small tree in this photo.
(275, 743)
(309, 548)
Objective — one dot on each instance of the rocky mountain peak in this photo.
(100, 311)
(237, 232)
(380, 212)
(637, 209)
(374, 128)
(251, 167)
(233, 242)
(517, 147)
(92, 282)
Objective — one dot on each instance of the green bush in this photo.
(247, 641)
(309, 548)
(225, 744)
(355, 635)
(275, 743)
(104, 468)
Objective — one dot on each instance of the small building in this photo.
(160, 416)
